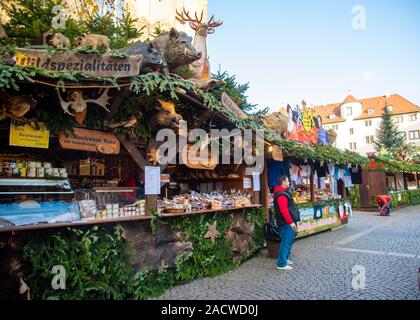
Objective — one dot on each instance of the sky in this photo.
(318, 50)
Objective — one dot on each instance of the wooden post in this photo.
(151, 200)
(265, 189)
(312, 184)
(417, 180)
(395, 182)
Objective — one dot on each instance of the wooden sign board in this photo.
(228, 103)
(197, 161)
(277, 153)
(91, 64)
(90, 140)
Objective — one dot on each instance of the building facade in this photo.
(357, 121)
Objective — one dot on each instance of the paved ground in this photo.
(387, 248)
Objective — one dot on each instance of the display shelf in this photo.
(75, 224)
(116, 220)
(169, 215)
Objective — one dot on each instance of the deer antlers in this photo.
(184, 16)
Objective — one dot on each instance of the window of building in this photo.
(352, 145)
(370, 111)
(335, 127)
(370, 139)
(412, 117)
(349, 111)
(351, 131)
(399, 119)
(332, 116)
(414, 135)
(368, 123)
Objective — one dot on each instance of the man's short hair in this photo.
(282, 179)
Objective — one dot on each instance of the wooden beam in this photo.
(117, 101)
(312, 184)
(265, 190)
(133, 151)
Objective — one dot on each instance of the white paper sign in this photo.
(256, 181)
(152, 180)
(247, 183)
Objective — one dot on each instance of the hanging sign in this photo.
(151, 180)
(228, 103)
(277, 153)
(27, 136)
(92, 64)
(194, 158)
(90, 140)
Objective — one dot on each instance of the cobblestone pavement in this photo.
(388, 248)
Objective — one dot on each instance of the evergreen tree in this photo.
(388, 136)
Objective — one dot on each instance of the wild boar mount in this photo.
(78, 104)
(176, 50)
(200, 68)
(152, 59)
(162, 115)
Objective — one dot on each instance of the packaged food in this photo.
(88, 210)
(47, 165)
(31, 173)
(56, 173)
(23, 172)
(40, 172)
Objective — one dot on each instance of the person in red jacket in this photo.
(287, 215)
(384, 203)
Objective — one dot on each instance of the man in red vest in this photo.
(287, 215)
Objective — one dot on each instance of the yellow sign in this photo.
(28, 136)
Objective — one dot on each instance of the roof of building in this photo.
(349, 99)
(399, 105)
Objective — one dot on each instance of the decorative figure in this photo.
(212, 232)
(93, 41)
(151, 56)
(16, 107)
(176, 50)
(306, 119)
(154, 156)
(277, 122)
(57, 40)
(201, 67)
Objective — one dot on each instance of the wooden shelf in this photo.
(169, 215)
(75, 224)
